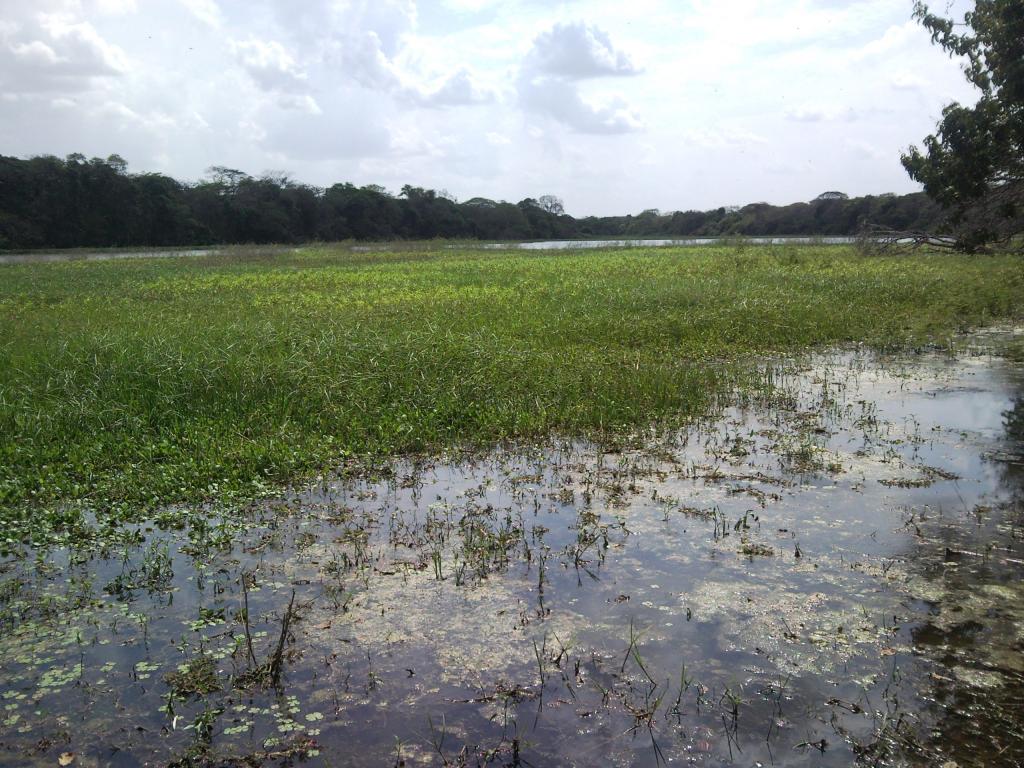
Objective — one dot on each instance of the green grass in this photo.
(127, 385)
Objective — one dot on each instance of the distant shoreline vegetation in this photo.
(75, 202)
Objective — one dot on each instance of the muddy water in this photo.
(828, 573)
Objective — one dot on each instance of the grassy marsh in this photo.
(830, 539)
(129, 385)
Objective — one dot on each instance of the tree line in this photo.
(73, 202)
(971, 168)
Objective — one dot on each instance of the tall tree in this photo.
(974, 164)
(551, 204)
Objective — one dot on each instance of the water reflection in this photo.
(658, 242)
(101, 255)
(111, 255)
(972, 641)
(830, 573)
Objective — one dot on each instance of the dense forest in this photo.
(49, 202)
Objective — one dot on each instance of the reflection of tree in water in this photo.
(969, 689)
(1012, 466)
(1014, 421)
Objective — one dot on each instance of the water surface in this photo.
(33, 257)
(825, 574)
(108, 255)
(658, 242)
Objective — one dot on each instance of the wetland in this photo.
(738, 505)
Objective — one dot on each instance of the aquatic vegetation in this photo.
(573, 578)
(129, 386)
(197, 677)
(822, 561)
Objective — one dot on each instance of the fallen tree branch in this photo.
(873, 239)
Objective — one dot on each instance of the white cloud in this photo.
(654, 103)
(560, 99)
(302, 102)
(207, 11)
(371, 49)
(269, 64)
(363, 60)
(459, 89)
(564, 55)
(81, 46)
(907, 81)
(576, 51)
(895, 38)
(818, 114)
(749, 23)
(470, 6)
(124, 115)
(725, 138)
(389, 20)
(116, 7)
(276, 72)
(35, 54)
(324, 137)
(55, 52)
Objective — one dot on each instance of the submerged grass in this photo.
(129, 385)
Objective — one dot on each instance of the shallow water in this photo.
(650, 242)
(109, 255)
(829, 573)
(100, 255)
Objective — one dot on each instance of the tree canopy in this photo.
(49, 202)
(973, 165)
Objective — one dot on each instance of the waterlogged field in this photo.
(419, 508)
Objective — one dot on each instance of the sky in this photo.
(615, 107)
